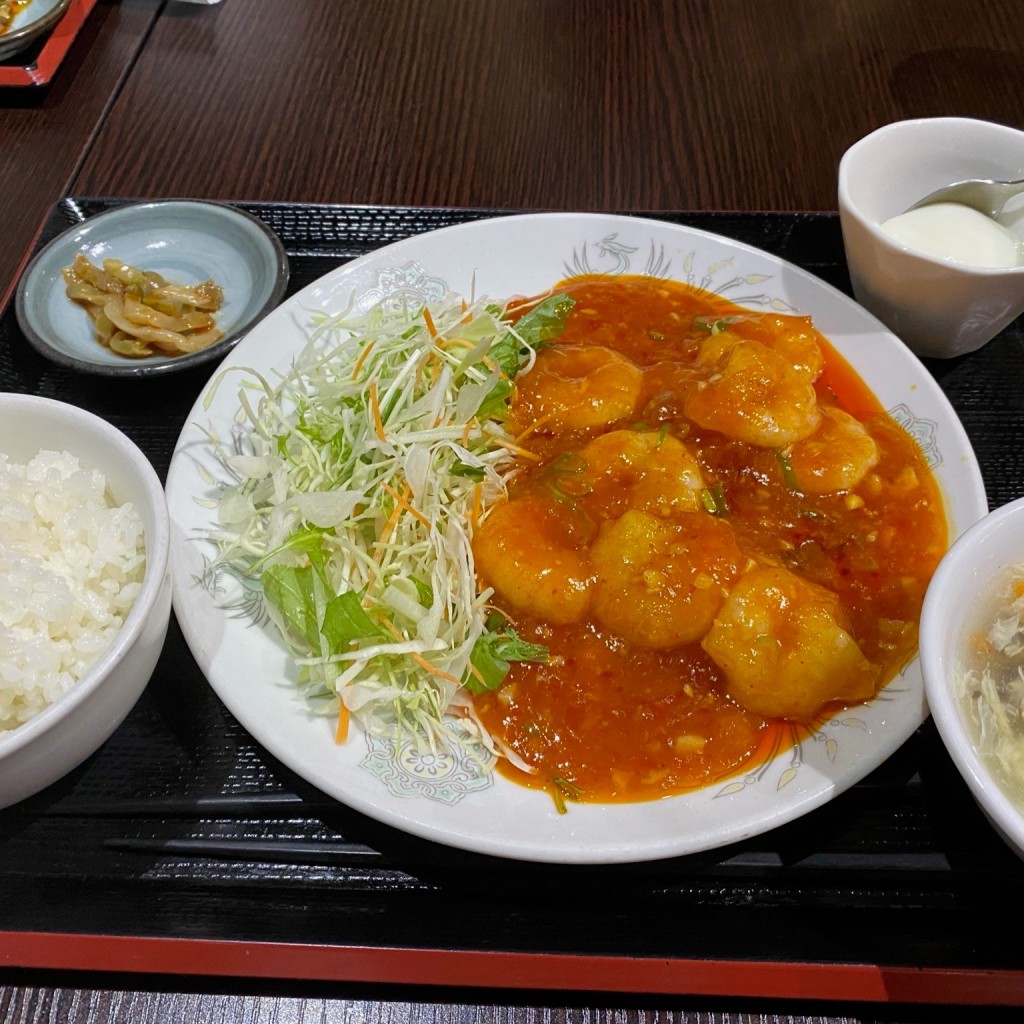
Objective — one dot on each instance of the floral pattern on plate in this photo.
(409, 770)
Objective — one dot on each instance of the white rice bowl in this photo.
(71, 566)
(84, 586)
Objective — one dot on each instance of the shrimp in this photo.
(799, 346)
(661, 582)
(576, 387)
(791, 337)
(630, 469)
(527, 554)
(836, 457)
(667, 386)
(785, 647)
(755, 396)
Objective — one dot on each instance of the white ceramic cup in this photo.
(937, 307)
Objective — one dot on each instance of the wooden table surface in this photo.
(44, 134)
(743, 105)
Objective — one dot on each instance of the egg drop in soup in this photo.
(713, 528)
(990, 680)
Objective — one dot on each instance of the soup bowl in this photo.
(961, 584)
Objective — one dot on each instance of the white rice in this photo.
(71, 567)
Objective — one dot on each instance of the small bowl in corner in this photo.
(940, 309)
(965, 577)
(186, 241)
(73, 726)
(29, 24)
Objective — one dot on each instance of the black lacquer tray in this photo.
(183, 847)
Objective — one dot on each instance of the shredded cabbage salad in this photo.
(358, 480)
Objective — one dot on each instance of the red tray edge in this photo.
(509, 970)
(53, 52)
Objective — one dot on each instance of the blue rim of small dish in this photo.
(81, 237)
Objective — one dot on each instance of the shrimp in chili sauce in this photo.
(755, 395)
(533, 561)
(645, 470)
(573, 387)
(836, 457)
(793, 338)
(660, 582)
(710, 598)
(786, 647)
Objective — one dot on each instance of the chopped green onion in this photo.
(713, 327)
(570, 462)
(562, 790)
(713, 500)
(564, 477)
(788, 473)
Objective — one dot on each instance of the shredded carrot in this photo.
(418, 658)
(516, 449)
(428, 364)
(474, 515)
(432, 330)
(447, 343)
(392, 629)
(362, 359)
(535, 425)
(387, 530)
(432, 669)
(474, 671)
(392, 522)
(470, 423)
(492, 365)
(378, 423)
(341, 733)
(403, 502)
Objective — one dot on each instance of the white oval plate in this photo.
(449, 800)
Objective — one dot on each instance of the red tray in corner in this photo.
(44, 61)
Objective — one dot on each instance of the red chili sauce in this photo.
(650, 535)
